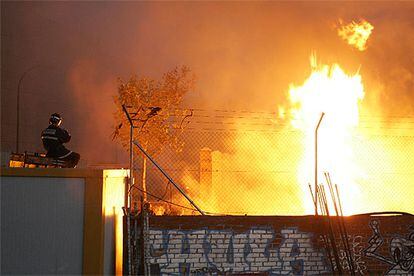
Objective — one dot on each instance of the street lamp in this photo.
(18, 105)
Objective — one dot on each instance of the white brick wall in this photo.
(237, 252)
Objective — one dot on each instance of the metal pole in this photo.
(18, 106)
(131, 156)
(316, 161)
(131, 169)
(168, 177)
(141, 267)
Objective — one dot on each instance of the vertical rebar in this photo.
(324, 227)
(331, 232)
(342, 235)
(315, 204)
(342, 221)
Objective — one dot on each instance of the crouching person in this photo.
(53, 138)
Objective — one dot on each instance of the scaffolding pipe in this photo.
(316, 162)
(168, 177)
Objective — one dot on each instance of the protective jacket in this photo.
(53, 139)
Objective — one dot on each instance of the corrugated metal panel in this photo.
(41, 225)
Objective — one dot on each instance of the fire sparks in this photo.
(356, 34)
(330, 90)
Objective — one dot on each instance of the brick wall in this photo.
(195, 245)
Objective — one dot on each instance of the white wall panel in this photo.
(41, 225)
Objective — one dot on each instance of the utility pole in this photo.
(131, 157)
(316, 163)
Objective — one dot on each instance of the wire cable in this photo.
(188, 208)
(163, 200)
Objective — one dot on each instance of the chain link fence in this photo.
(246, 163)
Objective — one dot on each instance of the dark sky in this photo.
(244, 54)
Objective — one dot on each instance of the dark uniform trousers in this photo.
(53, 139)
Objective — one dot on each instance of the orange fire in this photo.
(356, 34)
(337, 94)
(255, 177)
(269, 174)
(261, 175)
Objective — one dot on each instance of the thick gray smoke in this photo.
(244, 54)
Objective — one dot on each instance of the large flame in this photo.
(331, 91)
(267, 173)
(356, 34)
(261, 174)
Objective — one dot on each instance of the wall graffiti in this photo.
(356, 247)
(401, 259)
(265, 251)
(203, 252)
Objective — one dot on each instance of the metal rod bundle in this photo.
(324, 227)
(328, 236)
(341, 223)
(325, 208)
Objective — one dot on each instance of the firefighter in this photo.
(53, 138)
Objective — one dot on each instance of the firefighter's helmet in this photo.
(55, 118)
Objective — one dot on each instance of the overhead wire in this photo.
(399, 123)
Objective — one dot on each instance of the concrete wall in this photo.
(277, 245)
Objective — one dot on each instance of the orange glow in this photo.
(268, 173)
(262, 176)
(356, 34)
(118, 244)
(113, 201)
(114, 191)
(16, 164)
(158, 210)
(257, 177)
